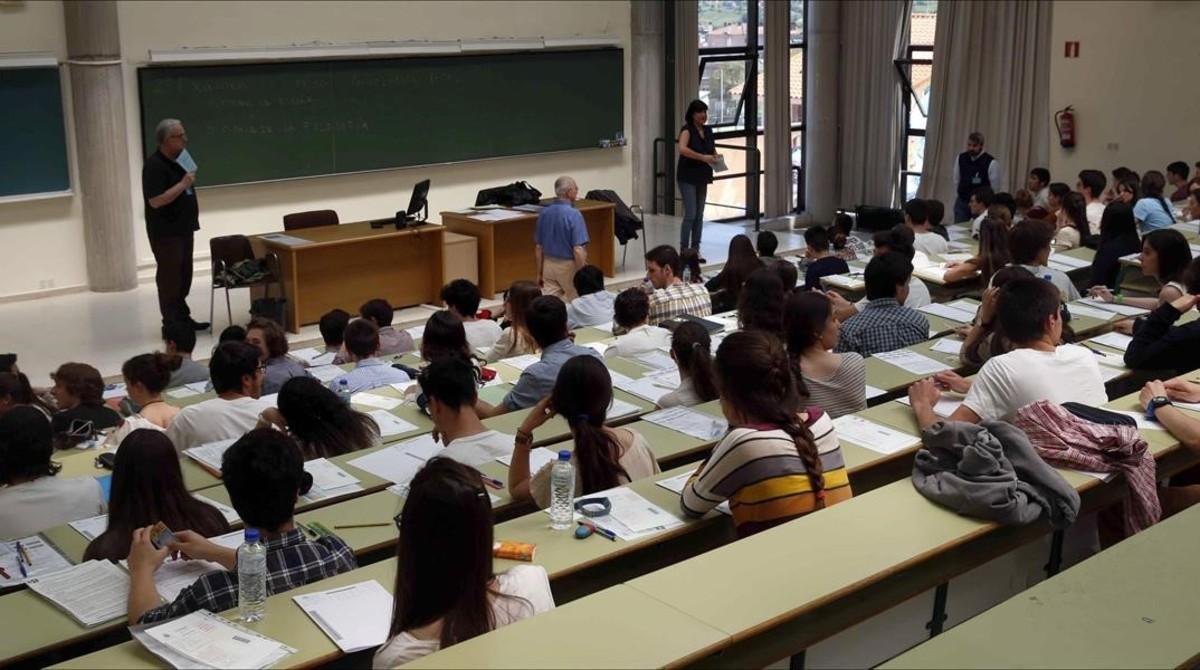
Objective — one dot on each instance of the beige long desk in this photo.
(346, 265)
(506, 247)
(1133, 605)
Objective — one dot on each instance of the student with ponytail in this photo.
(603, 457)
(146, 377)
(446, 589)
(778, 461)
(691, 349)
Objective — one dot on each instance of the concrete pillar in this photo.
(647, 63)
(821, 111)
(98, 107)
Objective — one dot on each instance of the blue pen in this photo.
(21, 563)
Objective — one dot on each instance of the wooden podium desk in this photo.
(346, 265)
(506, 247)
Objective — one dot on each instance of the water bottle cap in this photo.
(564, 455)
(344, 382)
(251, 535)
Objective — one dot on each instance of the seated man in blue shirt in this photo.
(264, 474)
(560, 242)
(594, 306)
(361, 342)
(547, 323)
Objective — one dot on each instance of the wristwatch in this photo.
(1155, 403)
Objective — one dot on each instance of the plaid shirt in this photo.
(677, 300)
(292, 561)
(882, 325)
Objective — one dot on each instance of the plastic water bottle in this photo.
(562, 492)
(343, 391)
(252, 577)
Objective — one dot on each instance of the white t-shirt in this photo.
(976, 222)
(475, 450)
(1066, 287)
(1042, 198)
(214, 420)
(639, 341)
(46, 502)
(1095, 212)
(918, 295)
(482, 333)
(528, 583)
(1008, 382)
(930, 243)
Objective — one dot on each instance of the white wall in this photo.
(1133, 85)
(42, 240)
(52, 234)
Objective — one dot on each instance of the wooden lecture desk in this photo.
(506, 247)
(1130, 606)
(346, 265)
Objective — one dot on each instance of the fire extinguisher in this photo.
(1064, 120)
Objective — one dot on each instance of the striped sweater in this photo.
(759, 472)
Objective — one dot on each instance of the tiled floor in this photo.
(105, 329)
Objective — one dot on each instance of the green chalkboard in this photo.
(267, 121)
(33, 137)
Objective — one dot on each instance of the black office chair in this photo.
(227, 252)
(312, 219)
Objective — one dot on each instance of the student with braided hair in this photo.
(778, 461)
(603, 457)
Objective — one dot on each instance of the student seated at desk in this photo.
(778, 461)
(1165, 256)
(983, 339)
(237, 380)
(671, 297)
(691, 349)
(32, 498)
(822, 261)
(765, 244)
(1158, 344)
(446, 590)
(444, 337)
(391, 341)
(547, 321)
(146, 377)
(886, 323)
(993, 254)
(321, 423)
(451, 388)
(1091, 186)
(462, 298)
(916, 217)
(1158, 398)
(516, 340)
(1039, 368)
(79, 393)
(1152, 210)
(727, 285)
(760, 306)
(1118, 237)
(594, 306)
(788, 274)
(264, 475)
(978, 203)
(837, 383)
(333, 330)
(900, 239)
(147, 487)
(1072, 226)
(937, 212)
(603, 457)
(362, 348)
(272, 345)
(15, 392)
(630, 312)
(179, 339)
(1029, 241)
(846, 244)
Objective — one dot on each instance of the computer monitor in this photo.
(419, 202)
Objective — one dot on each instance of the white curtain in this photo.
(874, 34)
(777, 134)
(687, 59)
(990, 74)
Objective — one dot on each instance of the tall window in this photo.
(916, 74)
(731, 63)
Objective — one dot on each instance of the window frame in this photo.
(904, 72)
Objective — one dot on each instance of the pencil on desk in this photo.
(363, 525)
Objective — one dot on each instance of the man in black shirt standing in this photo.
(172, 219)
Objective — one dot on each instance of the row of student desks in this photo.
(576, 568)
(745, 603)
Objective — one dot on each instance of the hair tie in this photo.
(582, 418)
(696, 345)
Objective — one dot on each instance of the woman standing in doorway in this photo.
(697, 155)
